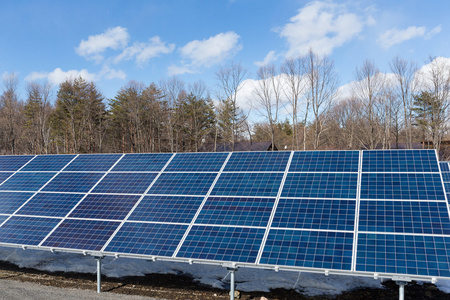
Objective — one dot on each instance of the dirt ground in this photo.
(183, 287)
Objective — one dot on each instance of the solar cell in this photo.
(73, 182)
(258, 161)
(26, 181)
(248, 184)
(149, 162)
(175, 209)
(183, 183)
(399, 161)
(197, 162)
(147, 239)
(48, 163)
(235, 244)
(125, 183)
(325, 161)
(11, 201)
(3, 219)
(404, 217)
(410, 186)
(311, 249)
(403, 254)
(112, 207)
(236, 211)
(50, 204)
(13, 162)
(81, 234)
(321, 185)
(446, 176)
(315, 214)
(28, 231)
(93, 162)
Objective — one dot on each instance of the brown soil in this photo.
(184, 287)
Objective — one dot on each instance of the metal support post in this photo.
(401, 289)
(232, 270)
(99, 274)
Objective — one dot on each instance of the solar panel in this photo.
(93, 162)
(147, 238)
(125, 183)
(26, 181)
(348, 212)
(11, 201)
(73, 182)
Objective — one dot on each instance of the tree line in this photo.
(298, 103)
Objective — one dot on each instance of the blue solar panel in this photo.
(404, 217)
(50, 204)
(142, 162)
(402, 186)
(125, 183)
(321, 185)
(175, 209)
(147, 239)
(236, 211)
(81, 234)
(48, 163)
(403, 254)
(4, 176)
(26, 230)
(197, 162)
(444, 166)
(73, 182)
(13, 163)
(315, 214)
(235, 244)
(399, 161)
(93, 162)
(325, 161)
(311, 249)
(248, 184)
(112, 207)
(11, 201)
(183, 183)
(3, 219)
(258, 161)
(26, 181)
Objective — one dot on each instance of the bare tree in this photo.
(231, 79)
(406, 87)
(369, 87)
(321, 87)
(267, 93)
(293, 70)
(10, 112)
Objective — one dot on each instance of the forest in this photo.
(299, 104)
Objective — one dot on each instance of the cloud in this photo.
(178, 70)
(143, 52)
(270, 57)
(58, 76)
(211, 51)
(396, 36)
(114, 38)
(321, 26)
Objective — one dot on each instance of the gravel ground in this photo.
(16, 290)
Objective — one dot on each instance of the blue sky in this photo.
(112, 42)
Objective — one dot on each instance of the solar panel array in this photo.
(354, 212)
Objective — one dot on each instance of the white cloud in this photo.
(143, 52)
(58, 76)
(114, 38)
(320, 26)
(211, 51)
(270, 57)
(396, 36)
(179, 70)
